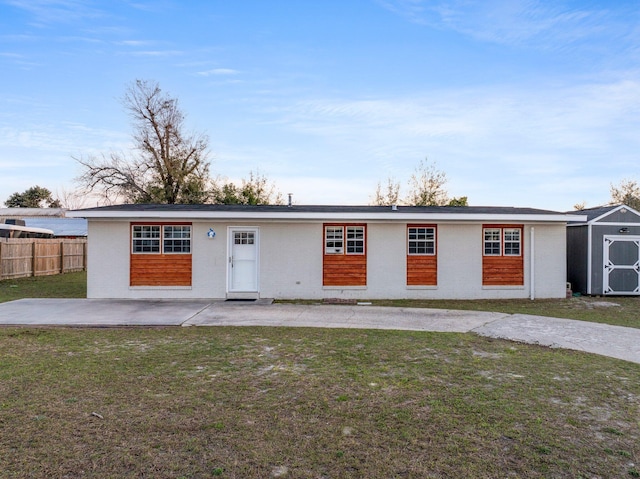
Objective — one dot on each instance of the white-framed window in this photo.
(344, 239)
(502, 241)
(176, 239)
(333, 239)
(355, 239)
(154, 239)
(492, 242)
(512, 241)
(421, 240)
(244, 237)
(145, 239)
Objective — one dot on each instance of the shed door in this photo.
(621, 265)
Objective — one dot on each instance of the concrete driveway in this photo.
(614, 341)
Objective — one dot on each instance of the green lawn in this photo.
(312, 403)
(309, 403)
(69, 285)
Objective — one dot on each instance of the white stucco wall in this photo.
(108, 260)
(550, 263)
(291, 263)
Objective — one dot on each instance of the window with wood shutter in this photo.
(502, 261)
(344, 259)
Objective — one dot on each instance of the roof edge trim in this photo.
(390, 216)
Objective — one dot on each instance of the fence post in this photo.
(84, 256)
(1, 272)
(61, 256)
(33, 258)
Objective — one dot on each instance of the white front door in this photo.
(621, 272)
(243, 260)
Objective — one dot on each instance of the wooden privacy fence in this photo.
(41, 257)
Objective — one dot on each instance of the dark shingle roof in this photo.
(503, 210)
(595, 212)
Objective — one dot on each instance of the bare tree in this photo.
(627, 192)
(171, 164)
(76, 199)
(426, 186)
(388, 195)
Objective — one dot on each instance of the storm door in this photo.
(621, 258)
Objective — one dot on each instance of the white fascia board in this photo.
(325, 216)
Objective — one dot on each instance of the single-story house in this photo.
(603, 251)
(316, 252)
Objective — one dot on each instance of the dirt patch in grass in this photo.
(298, 403)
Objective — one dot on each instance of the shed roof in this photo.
(323, 212)
(597, 213)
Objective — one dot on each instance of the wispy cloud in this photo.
(155, 53)
(57, 11)
(532, 138)
(19, 38)
(64, 139)
(218, 72)
(531, 22)
(134, 43)
(153, 6)
(561, 114)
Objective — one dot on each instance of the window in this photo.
(355, 239)
(244, 237)
(175, 239)
(333, 239)
(492, 242)
(502, 241)
(146, 239)
(344, 262)
(512, 241)
(422, 241)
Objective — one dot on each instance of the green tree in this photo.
(459, 201)
(34, 197)
(256, 190)
(169, 164)
(627, 192)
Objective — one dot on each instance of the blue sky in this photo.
(520, 102)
